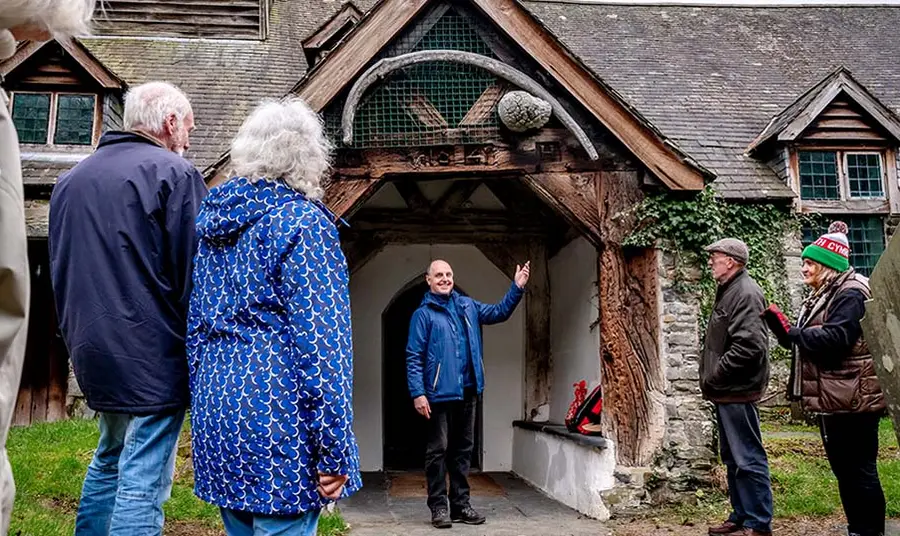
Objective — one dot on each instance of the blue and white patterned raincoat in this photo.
(269, 351)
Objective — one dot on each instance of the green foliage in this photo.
(683, 226)
(49, 461)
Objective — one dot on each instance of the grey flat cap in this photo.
(732, 247)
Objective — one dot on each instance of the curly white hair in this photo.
(62, 18)
(283, 140)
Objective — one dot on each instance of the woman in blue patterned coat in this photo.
(269, 334)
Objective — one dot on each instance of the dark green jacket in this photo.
(734, 365)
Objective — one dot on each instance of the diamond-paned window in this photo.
(74, 120)
(31, 116)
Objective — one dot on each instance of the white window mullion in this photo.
(51, 128)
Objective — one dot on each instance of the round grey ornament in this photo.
(521, 111)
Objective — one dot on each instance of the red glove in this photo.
(778, 324)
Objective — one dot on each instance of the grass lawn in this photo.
(49, 462)
(802, 483)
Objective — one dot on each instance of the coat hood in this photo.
(230, 208)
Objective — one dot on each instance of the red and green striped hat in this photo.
(831, 249)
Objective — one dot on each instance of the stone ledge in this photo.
(560, 430)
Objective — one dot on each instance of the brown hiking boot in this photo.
(727, 527)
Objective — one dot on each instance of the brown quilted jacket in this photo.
(835, 383)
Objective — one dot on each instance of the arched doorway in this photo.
(404, 429)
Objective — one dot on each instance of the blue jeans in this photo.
(741, 448)
(130, 476)
(246, 524)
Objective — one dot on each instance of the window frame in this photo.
(846, 174)
(843, 177)
(52, 117)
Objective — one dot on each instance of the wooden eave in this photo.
(389, 17)
(797, 120)
(99, 72)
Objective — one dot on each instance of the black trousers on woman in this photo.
(851, 443)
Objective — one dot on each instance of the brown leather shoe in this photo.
(725, 528)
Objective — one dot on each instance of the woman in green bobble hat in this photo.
(833, 376)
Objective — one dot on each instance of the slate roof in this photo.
(223, 78)
(712, 78)
(820, 95)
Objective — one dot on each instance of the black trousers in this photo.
(451, 439)
(851, 443)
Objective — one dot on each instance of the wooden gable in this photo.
(50, 67)
(391, 17)
(837, 109)
(843, 120)
(63, 64)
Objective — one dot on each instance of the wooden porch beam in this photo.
(361, 249)
(493, 239)
(412, 195)
(455, 196)
(345, 196)
(572, 196)
(538, 359)
(474, 222)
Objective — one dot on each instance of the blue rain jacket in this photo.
(269, 351)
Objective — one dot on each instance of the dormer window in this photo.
(55, 118)
(840, 175)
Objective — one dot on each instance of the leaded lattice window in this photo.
(864, 174)
(74, 120)
(31, 116)
(819, 175)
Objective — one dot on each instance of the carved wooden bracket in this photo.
(388, 65)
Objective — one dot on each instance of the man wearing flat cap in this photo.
(734, 371)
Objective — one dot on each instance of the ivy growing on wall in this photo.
(683, 226)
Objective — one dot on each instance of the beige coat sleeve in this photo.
(14, 295)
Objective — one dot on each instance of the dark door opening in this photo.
(404, 428)
(45, 373)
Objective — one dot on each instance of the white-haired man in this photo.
(20, 20)
(121, 246)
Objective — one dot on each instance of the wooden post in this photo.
(881, 326)
(538, 363)
(631, 371)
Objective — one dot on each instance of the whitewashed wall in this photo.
(573, 474)
(373, 287)
(574, 345)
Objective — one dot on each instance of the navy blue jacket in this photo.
(435, 352)
(122, 241)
